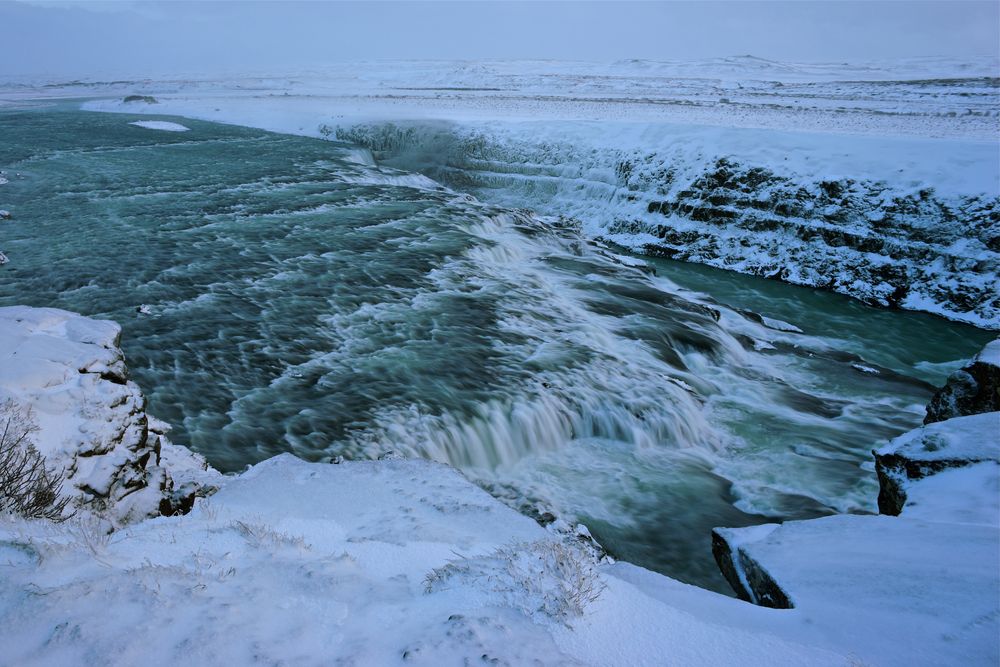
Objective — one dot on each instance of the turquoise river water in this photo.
(302, 300)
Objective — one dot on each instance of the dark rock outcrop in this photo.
(749, 580)
(970, 391)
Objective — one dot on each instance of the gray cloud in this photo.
(135, 38)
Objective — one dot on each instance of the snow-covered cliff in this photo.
(66, 375)
(899, 222)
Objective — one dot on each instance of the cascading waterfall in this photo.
(299, 297)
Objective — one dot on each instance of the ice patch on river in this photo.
(164, 125)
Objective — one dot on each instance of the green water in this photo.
(299, 301)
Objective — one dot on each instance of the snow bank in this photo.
(970, 494)
(928, 450)
(910, 591)
(70, 373)
(164, 125)
(359, 563)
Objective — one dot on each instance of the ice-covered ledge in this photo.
(69, 372)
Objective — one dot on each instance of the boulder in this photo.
(972, 390)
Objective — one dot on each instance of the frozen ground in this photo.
(879, 181)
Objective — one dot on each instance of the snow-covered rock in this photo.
(971, 390)
(915, 591)
(67, 372)
(928, 450)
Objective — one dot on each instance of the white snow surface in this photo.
(164, 125)
(929, 589)
(970, 438)
(363, 563)
(970, 494)
(989, 354)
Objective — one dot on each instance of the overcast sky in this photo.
(106, 38)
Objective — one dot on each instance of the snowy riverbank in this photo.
(395, 561)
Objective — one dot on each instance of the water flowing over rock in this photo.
(888, 239)
(68, 374)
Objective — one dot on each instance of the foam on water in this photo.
(280, 294)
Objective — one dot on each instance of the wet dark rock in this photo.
(972, 390)
(750, 581)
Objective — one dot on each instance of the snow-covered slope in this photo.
(65, 374)
(384, 563)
